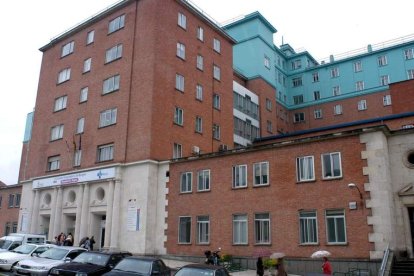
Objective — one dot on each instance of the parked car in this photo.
(8, 259)
(13, 240)
(143, 266)
(41, 265)
(90, 263)
(202, 270)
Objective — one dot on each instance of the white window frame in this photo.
(108, 117)
(240, 229)
(186, 182)
(216, 72)
(177, 150)
(87, 65)
(56, 132)
(217, 45)
(362, 105)
(113, 53)
(178, 116)
(336, 217)
(337, 109)
(200, 62)
(239, 176)
(179, 82)
(105, 153)
(359, 85)
(83, 97)
(261, 174)
(266, 62)
(203, 229)
(182, 20)
(64, 75)
(80, 125)
(387, 100)
(409, 53)
(116, 24)
(299, 117)
(60, 103)
(268, 104)
(203, 180)
(111, 84)
(184, 221)
(317, 114)
(90, 37)
(315, 77)
(53, 163)
(336, 90)
(216, 101)
(199, 124)
(335, 72)
(385, 80)
(200, 33)
(334, 157)
(308, 227)
(262, 234)
(410, 74)
(67, 49)
(216, 132)
(305, 168)
(357, 66)
(382, 61)
(199, 92)
(181, 50)
(77, 158)
(296, 82)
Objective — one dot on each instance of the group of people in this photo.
(326, 267)
(87, 243)
(65, 240)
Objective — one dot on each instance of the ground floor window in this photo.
(184, 230)
(335, 226)
(308, 227)
(239, 229)
(203, 229)
(262, 228)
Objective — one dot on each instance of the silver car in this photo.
(8, 259)
(41, 265)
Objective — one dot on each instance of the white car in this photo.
(10, 258)
(41, 265)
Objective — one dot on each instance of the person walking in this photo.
(281, 271)
(259, 267)
(91, 242)
(326, 266)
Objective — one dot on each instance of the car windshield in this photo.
(24, 249)
(92, 258)
(54, 253)
(139, 266)
(4, 244)
(190, 271)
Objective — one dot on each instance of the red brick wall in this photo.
(8, 215)
(402, 94)
(283, 198)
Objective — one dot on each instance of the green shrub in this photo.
(268, 263)
(226, 258)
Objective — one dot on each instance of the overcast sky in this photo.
(321, 27)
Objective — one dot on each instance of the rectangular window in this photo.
(216, 101)
(177, 151)
(200, 34)
(11, 200)
(113, 53)
(331, 165)
(105, 152)
(305, 170)
(17, 201)
(216, 132)
(182, 21)
(240, 229)
(77, 157)
(203, 229)
(7, 229)
(298, 99)
(385, 80)
(87, 64)
(362, 105)
(357, 66)
(56, 132)
(261, 173)
(203, 180)
(199, 92)
(108, 117)
(80, 125)
(336, 90)
(269, 104)
(200, 62)
(317, 113)
(199, 124)
(67, 49)
(267, 62)
(178, 116)
(316, 95)
(60, 103)
(315, 77)
(83, 94)
(297, 64)
(64, 75)
(179, 82)
(410, 74)
(186, 182)
(337, 109)
(90, 37)
(111, 84)
(382, 61)
(217, 45)
(269, 126)
(53, 163)
(184, 230)
(359, 86)
(387, 100)
(335, 226)
(297, 82)
(14, 227)
(216, 72)
(262, 228)
(409, 53)
(239, 176)
(308, 227)
(116, 24)
(334, 72)
(180, 50)
(299, 117)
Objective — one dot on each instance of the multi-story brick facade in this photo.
(10, 197)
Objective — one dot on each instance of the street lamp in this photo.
(352, 186)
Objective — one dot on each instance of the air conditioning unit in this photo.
(196, 150)
(223, 147)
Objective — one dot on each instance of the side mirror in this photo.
(35, 254)
(67, 260)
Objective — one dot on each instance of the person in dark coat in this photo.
(259, 267)
(91, 242)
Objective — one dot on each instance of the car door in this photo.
(159, 266)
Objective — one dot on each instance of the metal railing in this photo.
(384, 261)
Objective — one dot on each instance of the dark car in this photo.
(202, 270)
(90, 263)
(145, 266)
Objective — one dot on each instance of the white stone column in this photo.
(115, 215)
(57, 223)
(79, 199)
(51, 233)
(34, 216)
(108, 222)
(85, 212)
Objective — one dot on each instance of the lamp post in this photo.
(352, 186)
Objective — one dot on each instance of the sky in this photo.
(321, 27)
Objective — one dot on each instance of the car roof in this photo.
(143, 258)
(204, 266)
(109, 252)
